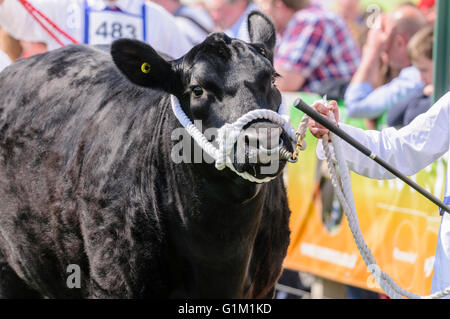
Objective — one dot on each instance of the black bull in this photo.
(86, 176)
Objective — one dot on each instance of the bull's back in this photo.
(53, 96)
(66, 105)
(65, 124)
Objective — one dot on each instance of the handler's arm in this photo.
(20, 24)
(15, 20)
(409, 149)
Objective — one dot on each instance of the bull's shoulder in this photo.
(74, 60)
(68, 95)
(64, 66)
(79, 74)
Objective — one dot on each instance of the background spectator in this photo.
(420, 50)
(358, 22)
(352, 14)
(428, 9)
(314, 45)
(193, 21)
(105, 22)
(30, 48)
(391, 38)
(9, 45)
(230, 16)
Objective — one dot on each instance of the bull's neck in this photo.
(211, 219)
(212, 237)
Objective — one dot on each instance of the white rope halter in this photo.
(228, 135)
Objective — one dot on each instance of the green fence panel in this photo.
(441, 49)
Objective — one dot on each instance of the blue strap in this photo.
(446, 202)
(86, 22)
(144, 22)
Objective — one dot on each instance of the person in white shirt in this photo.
(230, 16)
(408, 149)
(194, 22)
(96, 22)
(4, 60)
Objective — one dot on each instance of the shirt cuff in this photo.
(357, 91)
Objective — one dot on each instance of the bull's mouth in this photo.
(262, 150)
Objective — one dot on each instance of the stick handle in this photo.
(302, 106)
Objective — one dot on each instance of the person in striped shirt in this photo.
(314, 45)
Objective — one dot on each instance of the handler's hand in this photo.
(317, 129)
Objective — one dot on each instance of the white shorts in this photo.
(441, 268)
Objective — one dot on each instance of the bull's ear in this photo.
(262, 30)
(143, 66)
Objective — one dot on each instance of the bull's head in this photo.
(217, 82)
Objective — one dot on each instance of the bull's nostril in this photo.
(263, 145)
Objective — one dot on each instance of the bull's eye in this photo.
(263, 52)
(198, 91)
(145, 67)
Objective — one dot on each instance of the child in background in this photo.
(420, 51)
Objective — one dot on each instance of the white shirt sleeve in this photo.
(4, 60)
(409, 149)
(15, 20)
(162, 32)
(19, 23)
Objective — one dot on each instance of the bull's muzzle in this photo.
(228, 135)
(262, 149)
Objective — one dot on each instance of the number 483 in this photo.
(116, 30)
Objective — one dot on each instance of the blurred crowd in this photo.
(377, 63)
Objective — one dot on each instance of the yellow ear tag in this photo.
(145, 67)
